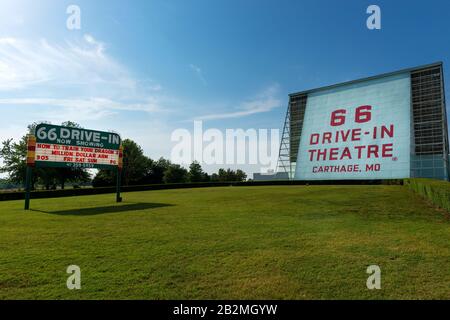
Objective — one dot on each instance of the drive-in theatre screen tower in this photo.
(389, 126)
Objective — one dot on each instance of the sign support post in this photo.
(31, 153)
(28, 177)
(119, 174)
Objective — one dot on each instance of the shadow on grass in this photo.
(106, 209)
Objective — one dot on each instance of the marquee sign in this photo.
(68, 147)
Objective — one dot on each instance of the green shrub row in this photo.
(90, 191)
(437, 191)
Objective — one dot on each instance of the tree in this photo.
(175, 174)
(5, 184)
(135, 163)
(136, 167)
(157, 170)
(103, 178)
(230, 175)
(206, 177)
(14, 160)
(63, 175)
(196, 173)
(14, 163)
(240, 175)
(225, 175)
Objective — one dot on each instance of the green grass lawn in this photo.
(282, 242)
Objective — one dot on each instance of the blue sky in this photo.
(145, 68)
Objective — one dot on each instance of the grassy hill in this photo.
(280, 242)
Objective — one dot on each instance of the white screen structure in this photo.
(357, 131)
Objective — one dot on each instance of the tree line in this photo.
(138, 169)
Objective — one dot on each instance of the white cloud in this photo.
(90, 39)
(26, 63)
(155, 87)
(198, 71)
(84, 103)
(263, 102)
(38, 73)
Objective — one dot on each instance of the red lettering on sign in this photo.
(344, 135)
(386, 150)
(356, 133)
(359, 148)
(334, 153)
(338, 117)
(314, 139)
(346, 154)
(326, 137)
(372, 150)
(387, 132)
(363, 114)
